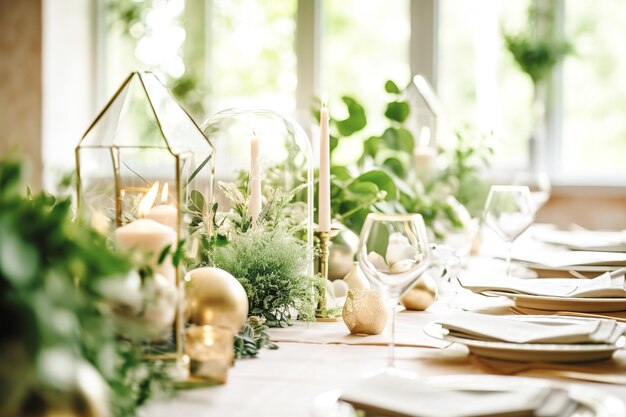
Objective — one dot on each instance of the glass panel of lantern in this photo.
(145, 176)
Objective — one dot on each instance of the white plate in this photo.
(531, 352)
(584, 240)
(580, 305)
(589, 271)
(593, 402)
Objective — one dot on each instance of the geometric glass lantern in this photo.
(283, 155)
(427, 125)
(145, 177)
(426, 119)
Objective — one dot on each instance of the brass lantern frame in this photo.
(180, 156)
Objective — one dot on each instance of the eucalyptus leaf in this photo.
(356, 119)
(363, 190)
(340, 172)
(395, 165)
(391, 87)
(333, 142)
(163, 255)
(398, 111)
(372, 145)
(197, 201)
(382, 180)
(399, 139)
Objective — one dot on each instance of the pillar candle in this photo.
(149, 237)
(424, 156)
(163, 213)
(323, 212)
(254, 202)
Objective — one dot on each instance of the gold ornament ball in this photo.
(85, 395)
(215, 297)
(422, 295)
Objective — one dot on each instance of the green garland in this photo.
(47, 317)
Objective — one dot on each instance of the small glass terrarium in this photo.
(426, 123)
(145, 177)
(266, 156)
(426, 119)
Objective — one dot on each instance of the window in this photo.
(594, 110)
(252, 54)
(478, 78)
(357, 60)
(480, 83)
(224, 53)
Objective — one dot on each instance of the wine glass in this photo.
(508, 212)
(539, 185)
(393, 254)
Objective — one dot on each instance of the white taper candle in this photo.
(254, 201)
(323, 220)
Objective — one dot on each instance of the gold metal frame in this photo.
(322, 264)
(179, 325)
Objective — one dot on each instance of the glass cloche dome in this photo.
(282, 152)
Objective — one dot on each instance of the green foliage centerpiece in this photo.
(262, 221)
(268, 257)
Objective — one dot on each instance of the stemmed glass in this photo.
(538, 184)
(508, 212)
(393, 254)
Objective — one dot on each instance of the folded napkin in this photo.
(607, 285)
(391, 395)
(570, 259)
(503, 329)
(584, 239)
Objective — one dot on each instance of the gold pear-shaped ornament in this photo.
(365, 312)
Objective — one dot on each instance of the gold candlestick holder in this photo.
(321, 266)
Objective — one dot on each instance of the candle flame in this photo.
(324, 98)
(424, 136)
(164, 193)
(148, 200)
(209, 338)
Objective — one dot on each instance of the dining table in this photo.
(315, 359)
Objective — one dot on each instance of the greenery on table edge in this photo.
(383, 179)
(51, 272)
(252, 338)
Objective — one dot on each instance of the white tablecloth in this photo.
(286, 381)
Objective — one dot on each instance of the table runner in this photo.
(409, 332)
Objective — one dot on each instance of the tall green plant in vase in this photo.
(537, 51)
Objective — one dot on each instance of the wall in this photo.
(590, 209)
(20, 82)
